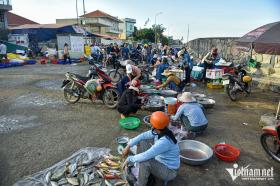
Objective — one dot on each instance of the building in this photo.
(15, 20)
(127, 28)
(97, 22)
(5, 6)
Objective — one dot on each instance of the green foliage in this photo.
(148, 34)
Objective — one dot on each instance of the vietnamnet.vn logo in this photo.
(247, 173)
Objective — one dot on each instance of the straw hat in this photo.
(166, 73)
(133, 88)
(186, 97)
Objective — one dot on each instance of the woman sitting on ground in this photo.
(129, 102)
(173, 82)
(191, 114)
(159, 152)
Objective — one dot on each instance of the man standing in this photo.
(66, 54)
(3, 51)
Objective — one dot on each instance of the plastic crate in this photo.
(212, 86)
(214, 73)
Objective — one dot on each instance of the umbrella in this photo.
(264, 40)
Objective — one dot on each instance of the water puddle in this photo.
(16, 122)
(49, 84)
(36, 100)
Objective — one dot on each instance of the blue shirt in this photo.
(194, 113)
(163, 150)
(160, 70)
(125, 52)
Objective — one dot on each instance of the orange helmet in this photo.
(159, 120)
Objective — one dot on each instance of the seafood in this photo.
(48, 177)
(73, 181)
(58, 174)
(54, 183)
(120, 183)
(111, 163)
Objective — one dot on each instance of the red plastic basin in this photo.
(226, 152)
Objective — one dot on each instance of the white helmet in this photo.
(128, 69)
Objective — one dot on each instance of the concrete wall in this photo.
(228, 51)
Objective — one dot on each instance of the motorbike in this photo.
(237, 82)
(117, 74)
(270, 140)
(76, 87)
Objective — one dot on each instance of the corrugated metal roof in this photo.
(26, 26)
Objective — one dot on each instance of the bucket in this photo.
(122, 143)
(170, 105)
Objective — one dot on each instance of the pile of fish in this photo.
(154, 103)
(87, 167)
(111, 171)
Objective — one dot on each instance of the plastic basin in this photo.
(226, 152)
(130, 123)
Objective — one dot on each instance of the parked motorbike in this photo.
(76, 87)
(117, 74)
(237, 82)
(270, 140)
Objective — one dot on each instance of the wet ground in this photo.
(38, 128)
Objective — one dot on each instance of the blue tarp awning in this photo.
(39, 33)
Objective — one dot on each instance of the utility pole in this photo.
(188, 35)
(84, 7)
(77, 12)
(156, 26)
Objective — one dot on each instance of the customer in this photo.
(133, 76)
(159, 152)
(160, 68)
(191, 114)
(66, 54)
(129, 103)
(209, 60)
(173, 82)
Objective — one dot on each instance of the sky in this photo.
(206, 18)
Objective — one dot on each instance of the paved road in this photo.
(38, 128)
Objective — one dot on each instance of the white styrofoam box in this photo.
(214, 73)
(197, 69)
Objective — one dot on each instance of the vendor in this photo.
(129, 103)
(133, 76)
(173, 82)
(66, 54)
(191, 114)
(209, 60)
(159, 152)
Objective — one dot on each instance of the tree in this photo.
(148, 34)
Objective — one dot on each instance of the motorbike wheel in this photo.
(232, 94)
(69, 93)
(270, 145)
(111, 97)
(115, 76)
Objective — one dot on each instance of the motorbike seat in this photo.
(83, 78)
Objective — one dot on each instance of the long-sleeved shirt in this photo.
(194, 113)
(163, 150)
(209, 58)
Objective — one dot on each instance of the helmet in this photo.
(128, 69)
(247, 79)
(91, 85)
(159, 120)
(98, 88)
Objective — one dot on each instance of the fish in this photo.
(48, 177)
(62, 181)
(120, 183)
(54, 183)
(72, 168)
(73, 181)
(111, 163)
(58, 174)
